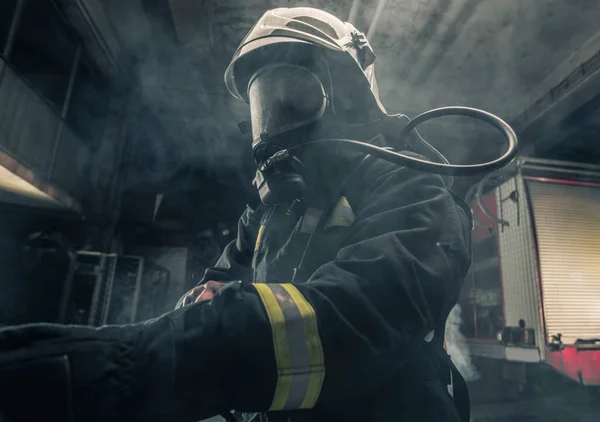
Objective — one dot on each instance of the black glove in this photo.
(76, 373)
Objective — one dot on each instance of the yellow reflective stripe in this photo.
(342, 215)
(298, 349)
(280, 343)
(259, 238)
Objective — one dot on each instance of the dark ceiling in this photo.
(509, 57)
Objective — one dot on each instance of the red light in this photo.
(580, 365)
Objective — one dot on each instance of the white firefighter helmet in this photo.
(289, 34)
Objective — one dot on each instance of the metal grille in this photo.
(103, 290)
(518, 262)
(155, 281)
(567, 220)
(124, 292)
(81, 293)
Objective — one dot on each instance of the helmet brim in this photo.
(255, 54)
(250, 57)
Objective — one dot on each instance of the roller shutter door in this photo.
(567, 223)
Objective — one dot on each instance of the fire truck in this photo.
(532, 295)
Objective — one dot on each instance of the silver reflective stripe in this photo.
(298, 349)
(299, 370)
(310, 220)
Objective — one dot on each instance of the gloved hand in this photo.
(205, 291)
(77, 373)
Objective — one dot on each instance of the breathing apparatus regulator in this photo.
(309, 80)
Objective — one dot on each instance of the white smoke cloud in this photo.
(457, 347)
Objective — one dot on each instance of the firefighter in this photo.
(331, 303)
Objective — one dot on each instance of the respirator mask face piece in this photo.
(284, 101)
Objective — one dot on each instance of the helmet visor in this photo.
(282, 98)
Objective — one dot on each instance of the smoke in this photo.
(430, 53)
(180, 115)
(457, 347)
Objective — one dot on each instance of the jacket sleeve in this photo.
(358, 318)
(236, 260)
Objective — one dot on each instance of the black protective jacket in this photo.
(344, 343)
(346, 340)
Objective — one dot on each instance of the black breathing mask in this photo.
(287, 105)
(285, 101)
